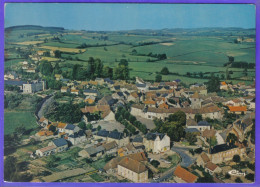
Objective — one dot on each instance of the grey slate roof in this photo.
(221, 148)
(116, 135)
(94, 150)
(60, 142)
(90, 91)
(141, 85)
(152, 136)
(191, 130)
(77, 134)
(70, 127)
(103, 133)
(203, 123)
(138, 138)
(14, 83)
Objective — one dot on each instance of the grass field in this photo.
(15, 119)
(29, 43)
(50, 59)
(63, 49)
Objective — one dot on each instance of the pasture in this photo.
(63, 49)
(13, 119)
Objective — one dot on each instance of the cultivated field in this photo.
(63, 49)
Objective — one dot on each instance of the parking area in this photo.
(110, 125)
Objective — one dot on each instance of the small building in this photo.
(45, 151)
(64, 89)
(237, 109)
(89, 92)
(184, 176)
(74, 91)
(77, 138)
(201, 126)
(71, 129)
(92, 152)
(212, 168)
(157, 142)
(61, 127)
(90, 99)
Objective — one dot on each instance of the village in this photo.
(141, 131)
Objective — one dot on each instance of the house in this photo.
(107, 100)
(212, 168)
(77, 138)
(89, 92)
(137, 141)
(105, 111)
(134, 96)
(108, 81)
(58, 77)
(111, 166)
(92, 152)
(71, 129)
(201, 126)
(11, 75)
(184, 176)
(61, 127)
(208, 133)
(118, 137)
(100, 81)
(107, 136)
(225, 152)
(202, 159)
(235, 102)
(132, 170)
(43, 121)
(252, 104)
(56, 145)
(74, 91)
(90, 99)
(156, 142)
(195, 101)
(118, 95)
(223, 86)
(64, 89)
(111, 147)
(34, 86)
(150, 103)
(30, 70)
(45, 151)
(237, 109)
(142, 87)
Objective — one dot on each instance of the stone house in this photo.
(107, 136)
(61, 127)
(92, 152)
(64, 89)
(60, 144)
(110, 148)
(34, 86)
(225, 152)
(201, 126)
(77, 138)
(156, 142)
(90, 92)
(105, 111)
(45, 151)
(133, 170)
(212, 168)
(71, 129)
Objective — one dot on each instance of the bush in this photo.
(155, 163)
(250, 177)
(238, 180)
(227, 176)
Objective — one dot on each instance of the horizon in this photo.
(125, 17)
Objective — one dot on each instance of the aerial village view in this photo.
(111, 101)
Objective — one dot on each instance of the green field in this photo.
(15, 119)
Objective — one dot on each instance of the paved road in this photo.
(165, 176)
(44, 105)
(186, 159)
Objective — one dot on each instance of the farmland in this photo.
(188, 50)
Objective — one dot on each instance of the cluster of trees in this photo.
(173, 126)
(123, 116)
(165, 71)
(213, 85)
(12, 101)
(14, 170)
(242, 65)
(65, 112)
(122, 70)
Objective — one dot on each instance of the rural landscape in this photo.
(145, 106)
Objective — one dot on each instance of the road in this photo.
(186, 160)
(46, 102)
(165, 176)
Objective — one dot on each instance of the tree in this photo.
(82, 125)
(227, 176)
(89, 126)
(179, 117)
(52, 128)
(213, 85)
(155, 163)
(236, 158)
(191, 138)
(46, 68)
(99, 128)
(238, 180)
(158, 78)
(107, 72)
(198, 117)
(57, 54)
(250, 177)
(9, 167)
(20, 129)
(165, 71)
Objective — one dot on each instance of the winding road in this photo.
(186, 160)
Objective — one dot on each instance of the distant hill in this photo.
(34, 27)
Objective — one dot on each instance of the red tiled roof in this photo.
(237, 108)
(185, 175)
(211, 166)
